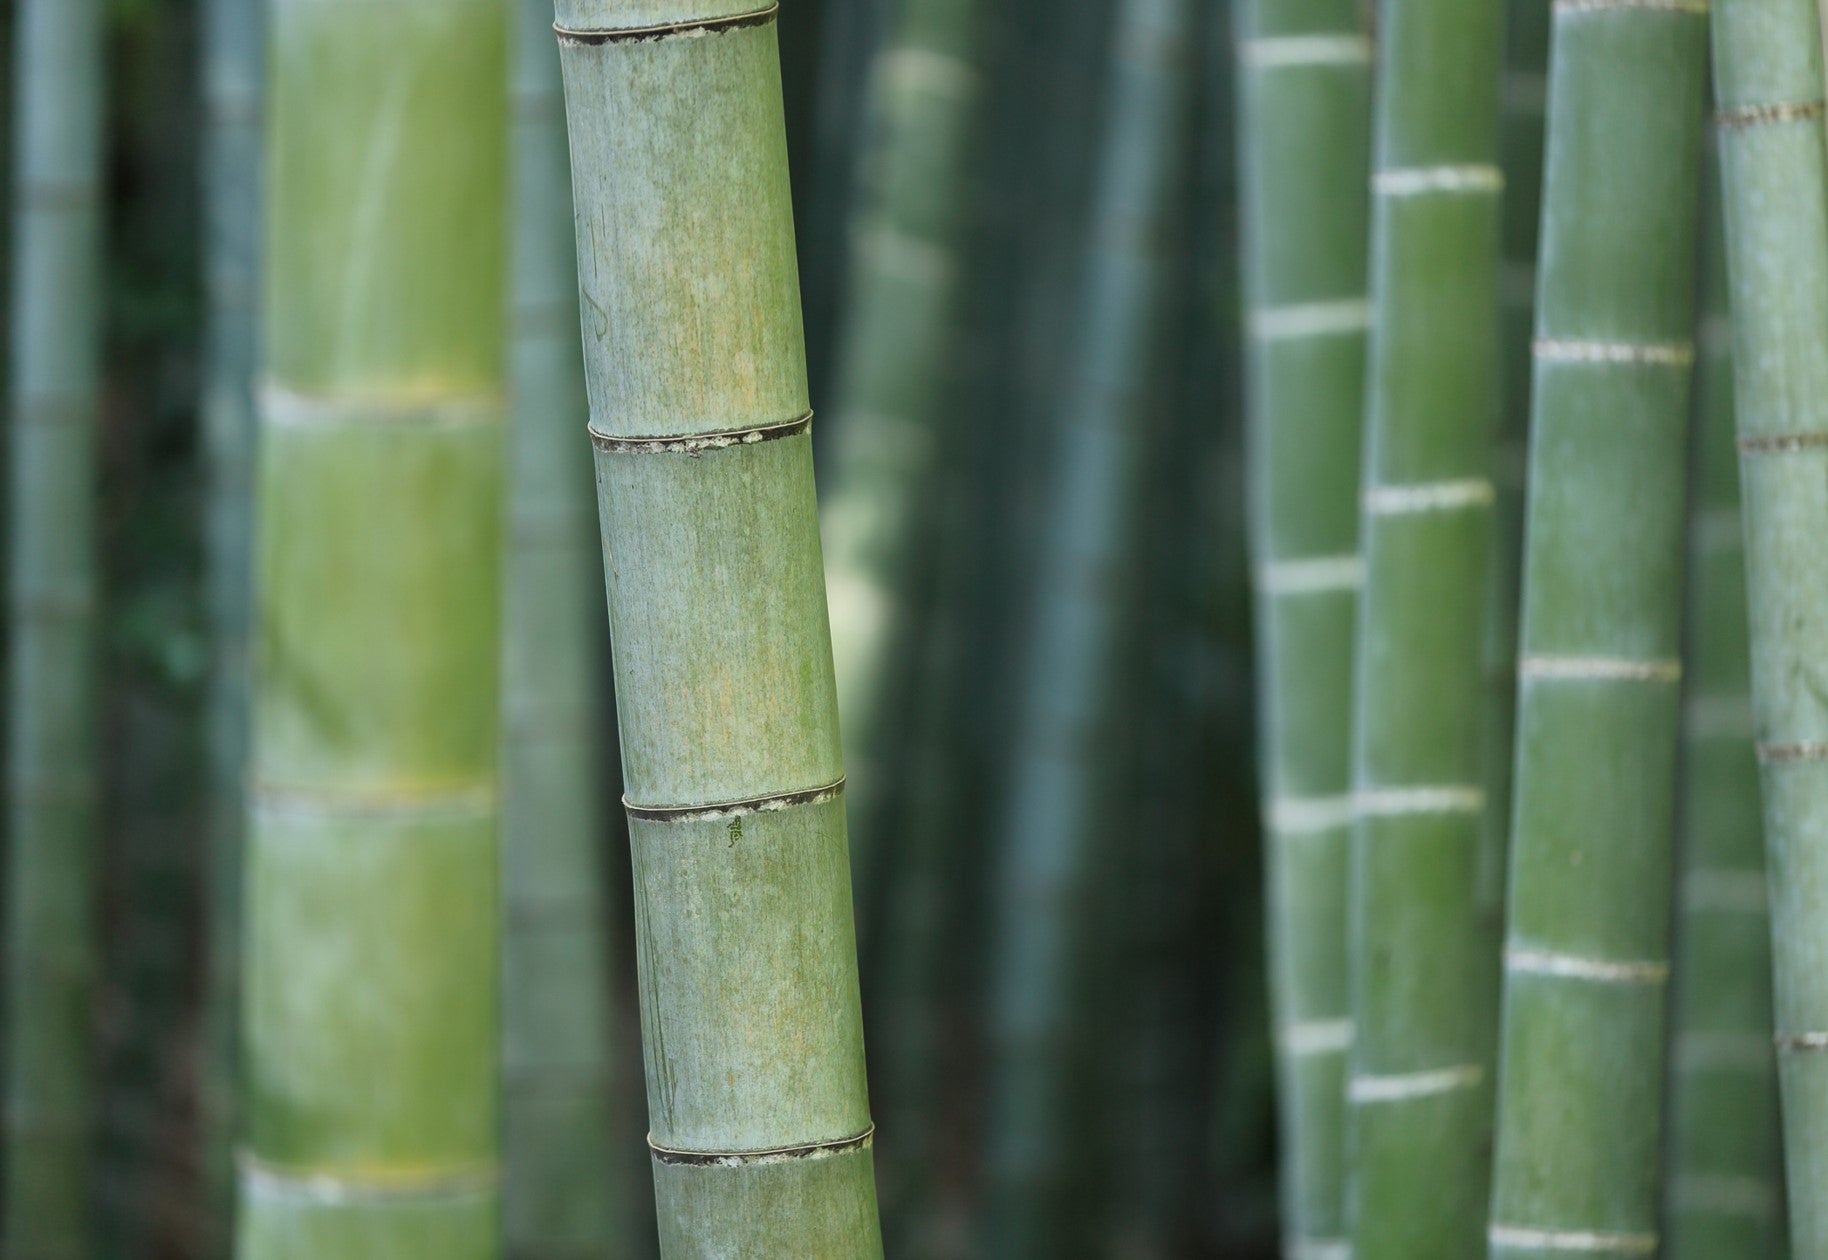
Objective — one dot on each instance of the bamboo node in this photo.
(720, 811)
(1314, 1036)
(1803, 750)
(1310, 815)
(1311, 319)
(1415, 181)
(1678, 354)
(1311, 575)
(1542, 962)
(1742, 116)
(666, 30)
(1598, 669)
(696, 444)
(1525, 1238)
(774, 1155)
(263, 1180)
(1283, 52)
(1801, 1042)
(1403, 801)
(1408, 1085)
(1651, 6)
(1781, 443)
(1429, 496)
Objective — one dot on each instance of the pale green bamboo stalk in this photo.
(52, 780)
(1723, 1156)
(560, 1196)
(233, 53)
(894, 395)
(1586, 947)
(1304, 73)
(371, 1012)
(1774, 167)
(1419, 1087)
(751, 1021)
(1061, 797)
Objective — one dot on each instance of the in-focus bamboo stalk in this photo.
(372, 966)
(1419, 1089)
(1586, 948)
(1723, 1154)
(894, 395)
(1060, 797)
(751, 1020)
(559, 1196)
(1304, 72)
(233, 54)
(1774, 168)
(52, 781)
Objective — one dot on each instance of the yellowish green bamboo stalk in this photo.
(372, 901)
(52, 780)
(1774, 168)
(1723, 1154)
(1419, 1088)
(1586, 946)
(1304, 71)
(560, 1196)
(751, 1020)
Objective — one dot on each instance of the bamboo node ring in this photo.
(775, 1155)
(667, 30)
(698, 443)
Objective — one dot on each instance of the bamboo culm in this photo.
(1059, 792)
(372, 965)
(1305, 80)
(1423, 978)
(751, 1020)
(52, 780)
(892, 388)
(1723, 1154)
(1774, 168)
(560, 1195)
(232, 71)
(1586, 948)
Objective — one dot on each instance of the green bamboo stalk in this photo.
(1723, 1152)
(751, 1020)
(232, 64)
(1774, 167)
(1586, 946)
(1418, 1090)
(1304, 71)
(371, 968)
(1060, 795)
(52, 945)
(560, 1195)
(894, 387)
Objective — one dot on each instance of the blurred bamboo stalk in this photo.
(1724, 1157)
(560, 1196)
(233, 66)
(895, 391)
(1060, 796)
(1587, 935)
(52, 944)
(1774, 167)
(1419, 1087)
(752, 1024)
(1304, 71)
(372, 907)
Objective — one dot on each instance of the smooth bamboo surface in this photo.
(52, 950)
(1304, 69)
(372, 909)
(757, 1105)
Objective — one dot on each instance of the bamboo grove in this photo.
(1213, 612)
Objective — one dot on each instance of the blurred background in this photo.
(1163, 1144)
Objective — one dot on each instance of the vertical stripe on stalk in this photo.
(1420, 952)
(372, 895)
(559, 1193)
(51, 598)
(1722, 1156)
(1304, 75)
(1768, 89)
(1586, 961)
(751, 1020)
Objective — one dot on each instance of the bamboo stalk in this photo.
(232, 71)
(371, 1007)
(1060, 796)
(1305, 76)
(560, 1196)
(894, 388)
(1723, 1153)
(52, 945)
(1586, 949)
(1774, 166)
(1418, 1089)
(751, 1020)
